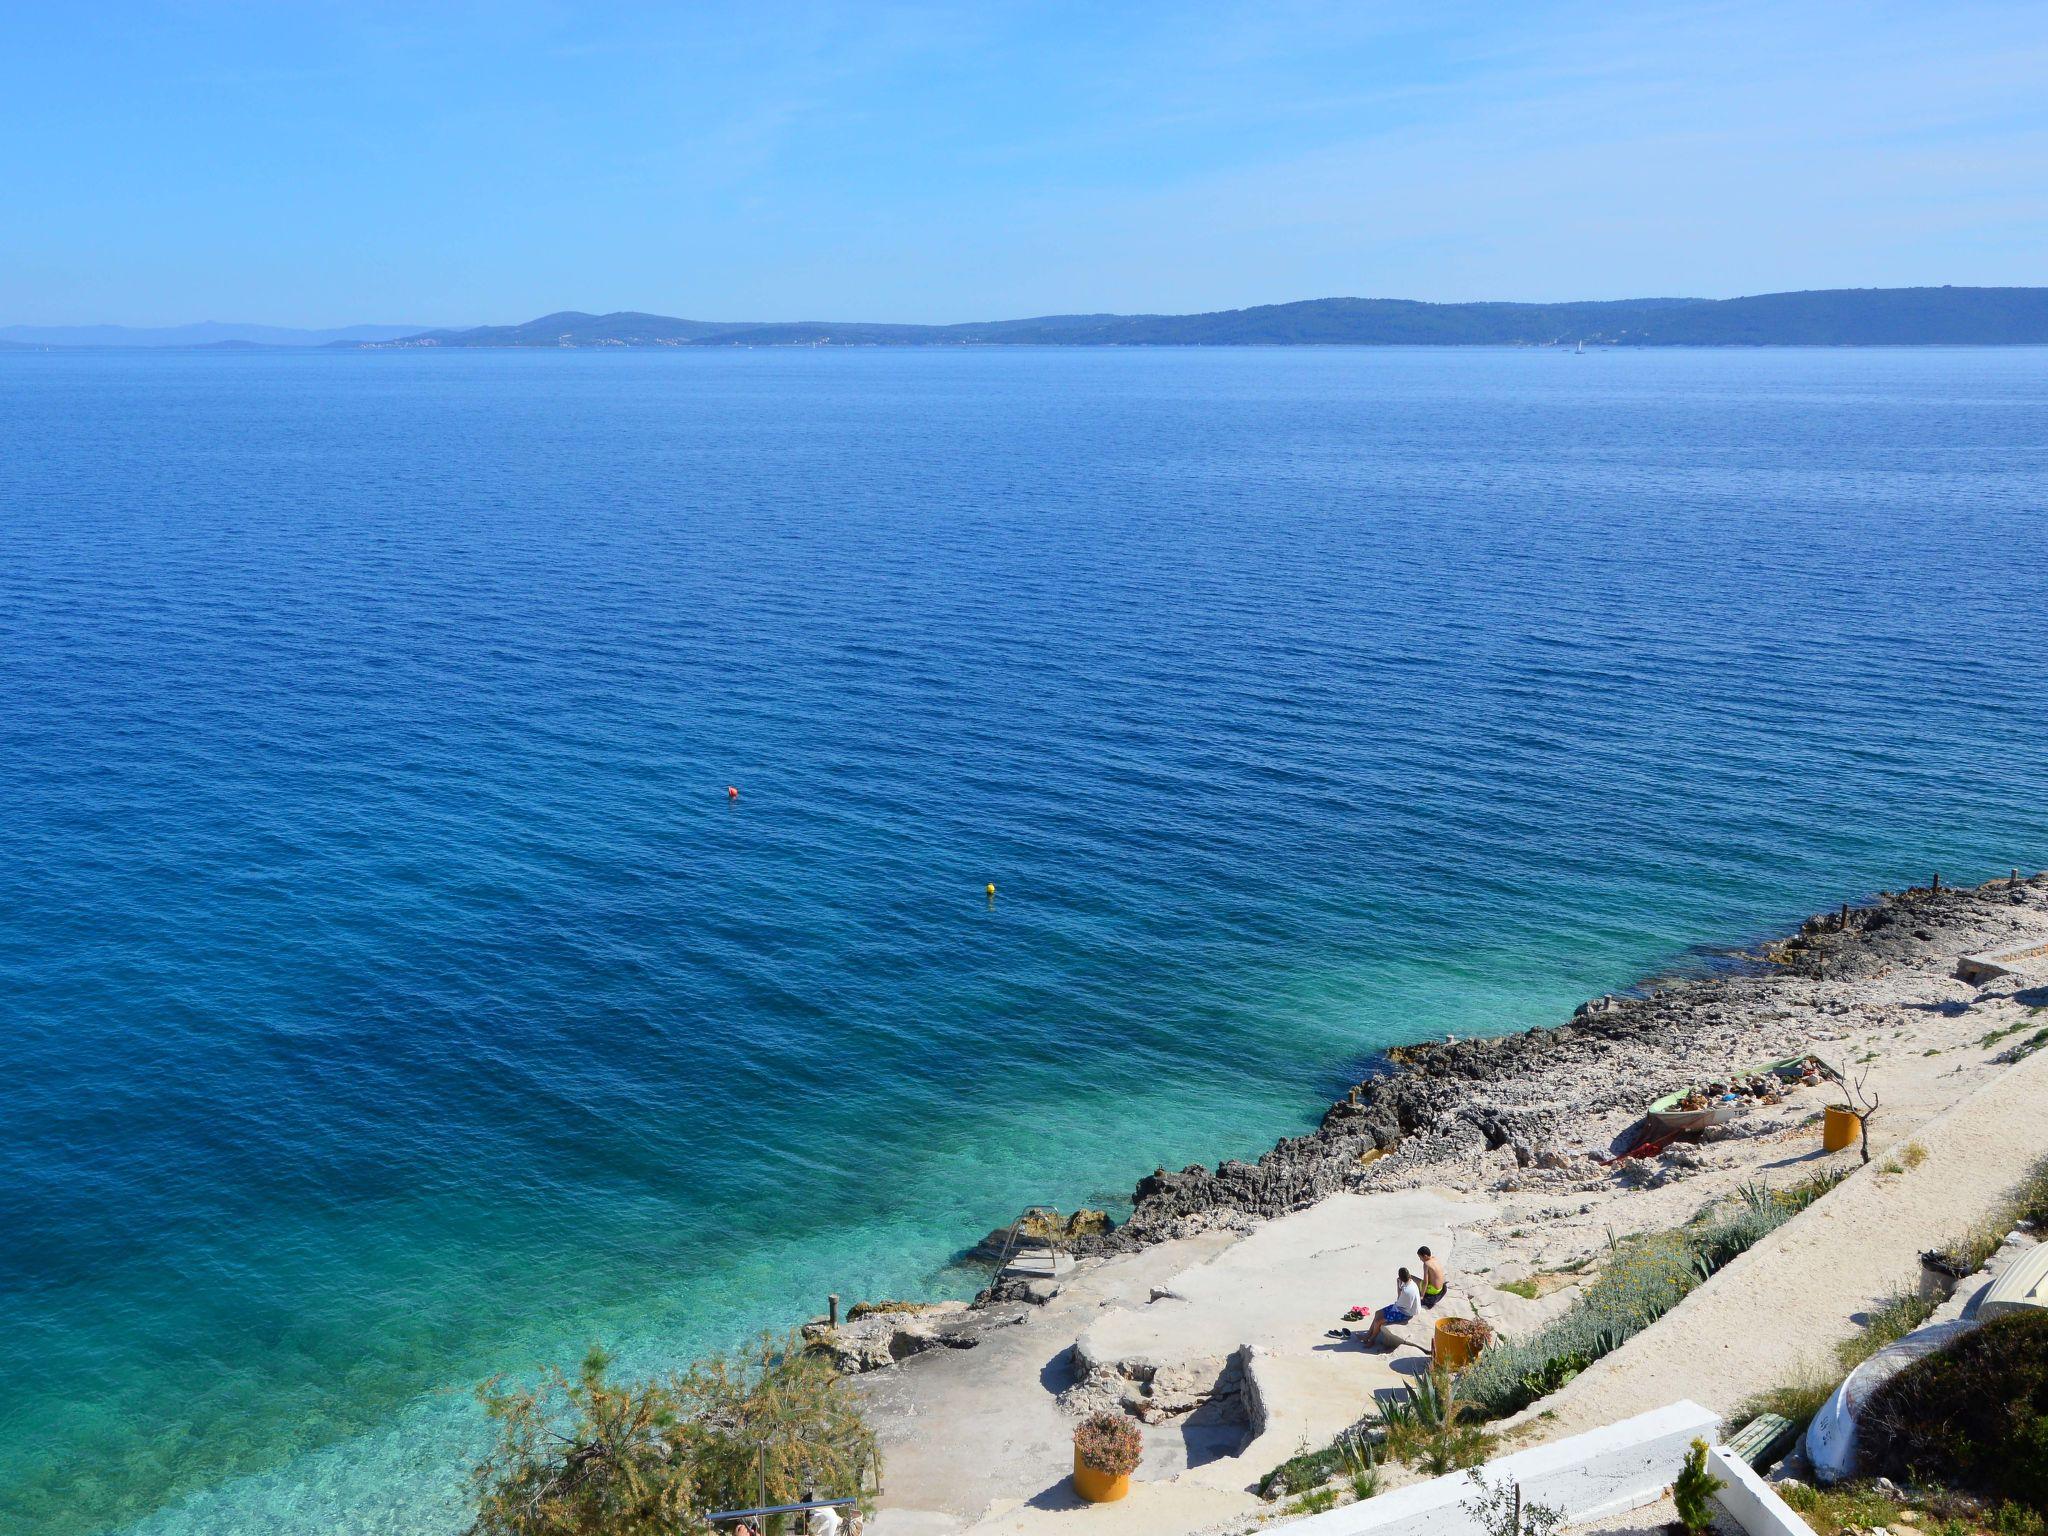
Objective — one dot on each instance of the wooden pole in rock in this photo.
(1936, 887)
(832, 1311)
(1844, 925)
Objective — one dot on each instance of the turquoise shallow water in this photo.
(395, 996)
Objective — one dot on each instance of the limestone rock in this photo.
(879, 1337)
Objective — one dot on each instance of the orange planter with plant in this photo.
(1107, 1447)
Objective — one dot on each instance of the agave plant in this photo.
(1431, 1428)
(1358, 1463)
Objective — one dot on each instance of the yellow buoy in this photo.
(991, 887)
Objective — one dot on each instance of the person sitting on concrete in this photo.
(1407, 1303)
(1436, 1282)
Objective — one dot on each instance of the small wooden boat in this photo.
(1666, 1118)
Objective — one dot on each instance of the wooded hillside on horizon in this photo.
(1823, 317)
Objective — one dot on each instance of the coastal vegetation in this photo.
(1974, 1415)
(1307, 1469)
(1850, 1509)
(1692, 1490)
(1429, 1425)
(591, 1456)
(1500, 1510)
(1435, 1428)
(1643, 1277)
(2026, 1205)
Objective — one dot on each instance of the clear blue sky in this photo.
(329, 163)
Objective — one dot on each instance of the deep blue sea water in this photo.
(393, 994)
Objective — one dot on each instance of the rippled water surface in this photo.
(394, 994)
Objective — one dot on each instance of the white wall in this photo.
(1603, 1471)
(1750, 1501)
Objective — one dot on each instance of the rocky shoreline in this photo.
(1543, 1109)
(1546, 1099)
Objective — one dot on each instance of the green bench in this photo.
(1764, 1440)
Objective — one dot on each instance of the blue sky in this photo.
(331, 163)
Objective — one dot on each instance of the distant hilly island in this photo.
(1831, 317)
(205, 333)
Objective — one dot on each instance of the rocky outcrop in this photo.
(875, 1336)
(1039, 1229)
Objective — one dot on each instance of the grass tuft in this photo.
(1313, 1503)
(1886, 1324)
(1798, 1399)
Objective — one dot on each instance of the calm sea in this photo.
(394, 994)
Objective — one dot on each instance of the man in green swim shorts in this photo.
(1436, 1284)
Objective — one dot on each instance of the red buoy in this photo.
(731, 793)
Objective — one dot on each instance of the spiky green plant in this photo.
(1433, 1428)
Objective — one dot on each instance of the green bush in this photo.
(587, 1456)
(1694, 1487)
(1974, 1415)
(1299, 1473)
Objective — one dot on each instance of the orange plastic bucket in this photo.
(1098, 1487)
(1840, 1130)
(1454, 1351)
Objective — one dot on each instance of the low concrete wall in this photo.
(1601, 1472)
(1253, 1390)
(1750, 1501)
